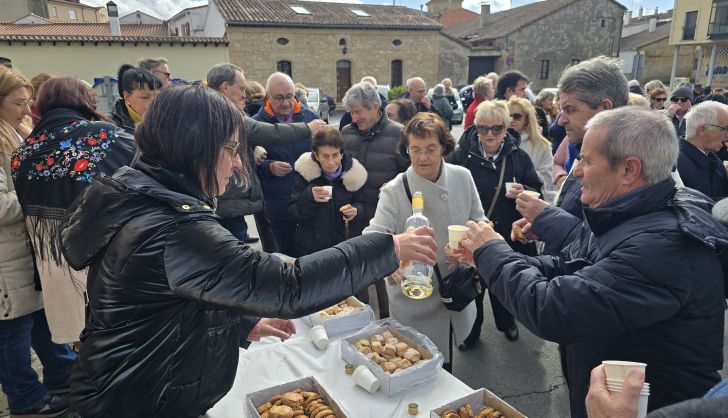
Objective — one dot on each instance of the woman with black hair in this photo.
(137, 88)
(167, 283)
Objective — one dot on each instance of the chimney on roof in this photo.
(113, 18)
(484, 12)
(641, 12)
(653, 24)
(627, 17)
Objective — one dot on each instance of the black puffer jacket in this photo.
(642, 283)
(486, 175)
(321, 225)
(167, 286)
(120, 116)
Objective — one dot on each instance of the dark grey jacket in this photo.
(378, 151)
(240, 199)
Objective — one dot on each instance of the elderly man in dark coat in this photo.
(698, 164)
(641, 283)
(372, 139)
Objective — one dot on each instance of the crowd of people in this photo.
(125, 261)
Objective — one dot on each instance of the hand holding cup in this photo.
(513, 189)
(321, 194)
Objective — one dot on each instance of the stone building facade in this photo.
(327, 45)
(540, 39)
(658, 57)
(259, 53)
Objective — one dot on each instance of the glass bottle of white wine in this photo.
(417, 276)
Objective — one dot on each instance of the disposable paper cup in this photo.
(455, 233)
(642, 405)
(319, 337)
(532, 193)
(330, 190)
(620, 388)
(366, 379)
(509, 185)
(619, 370)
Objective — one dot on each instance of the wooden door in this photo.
(343, 78)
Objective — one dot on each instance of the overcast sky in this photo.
(165, 9)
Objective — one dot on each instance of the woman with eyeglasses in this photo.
(525, 122)
(66, 151)
(658, 97)
(137, 88)
(23, 322)
(167, 283)
(488, 151)
(450, 198)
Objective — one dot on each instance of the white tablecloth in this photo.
(269, 363)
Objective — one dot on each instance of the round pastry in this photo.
(326, 412)
(292, 399)
(280, 411)
(266, 406)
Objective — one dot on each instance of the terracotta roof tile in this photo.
(279, 13)
(94, 32)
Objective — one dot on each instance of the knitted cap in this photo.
(683, 92)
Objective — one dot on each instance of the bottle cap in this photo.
(349, 368)
(413, 408)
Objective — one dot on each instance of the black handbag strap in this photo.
(409, 196)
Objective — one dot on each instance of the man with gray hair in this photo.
(346, 117)
(242, 199)
(584, 90)
(706, 129)
(276, 171)
(644, 280)
(373, 140)
(159, 67)
(417, 92)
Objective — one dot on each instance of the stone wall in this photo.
(572, 33)
(658, 62)
(314, 52)
(453, 61)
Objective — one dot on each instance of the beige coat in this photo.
(452, 200)
(18, 296)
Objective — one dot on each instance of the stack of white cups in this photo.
(617, 371)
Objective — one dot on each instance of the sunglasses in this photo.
(496, 129)
(660, 99)
(167, 75)
(516, 116)
(681, 99)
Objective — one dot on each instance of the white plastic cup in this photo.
(641, 402)
(642, 405)
(455, 233)
(366, 379)
(532, 193)
(329, 190)
(509, 185)
(319, 337)
(619, 370)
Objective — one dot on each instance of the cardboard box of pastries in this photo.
(346, 316)
(482, 404)
(399, 356)
(297, 398)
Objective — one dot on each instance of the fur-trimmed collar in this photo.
(353, 178)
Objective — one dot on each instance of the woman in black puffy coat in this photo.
(324, 219)
(167, 283)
